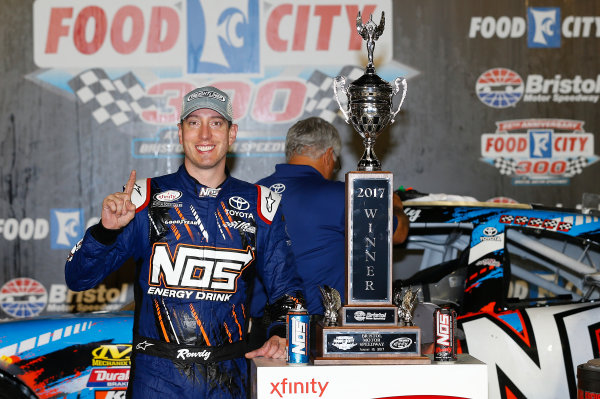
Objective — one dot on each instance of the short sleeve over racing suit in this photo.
(197, 250)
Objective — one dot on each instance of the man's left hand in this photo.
(273, 348)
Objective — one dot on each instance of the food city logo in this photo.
(26, 297)
(112, 355)
(547, 151)
(85, 47)
(544, 27)
(503, 88)
(67, 227)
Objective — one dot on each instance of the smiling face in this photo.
(206, 137)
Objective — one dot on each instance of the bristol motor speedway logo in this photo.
(544, 27)
(128, 62)
(539, 151)
(503, 88)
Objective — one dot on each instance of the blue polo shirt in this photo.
(314, 211)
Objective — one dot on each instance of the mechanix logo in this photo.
(197, 268)
(112, 355)
(546, 151)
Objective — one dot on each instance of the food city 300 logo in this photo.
(100, 52)
(539, 151)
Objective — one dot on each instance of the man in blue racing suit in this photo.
(199, 237)
(314, 205)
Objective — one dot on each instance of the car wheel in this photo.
(12, 388)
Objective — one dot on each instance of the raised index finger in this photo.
(130, 183)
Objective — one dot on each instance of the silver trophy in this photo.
(369, 98)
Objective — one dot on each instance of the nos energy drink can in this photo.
(298, 321)
(445, 342)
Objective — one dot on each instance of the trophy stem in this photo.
(369, 161)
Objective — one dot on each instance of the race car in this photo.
(524, 281)
(84, 356)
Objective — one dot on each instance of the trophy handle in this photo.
(397, 83)
(341, 81)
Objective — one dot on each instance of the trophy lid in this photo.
(372, 83)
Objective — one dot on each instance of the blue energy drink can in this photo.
(298, 327)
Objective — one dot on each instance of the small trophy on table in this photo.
(367, 328)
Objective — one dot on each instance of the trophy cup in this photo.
(367, 328)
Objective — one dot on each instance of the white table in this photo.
(466, 378)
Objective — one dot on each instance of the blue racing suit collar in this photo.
(288, 170)
(193, 185)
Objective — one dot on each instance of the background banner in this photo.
(502, 102)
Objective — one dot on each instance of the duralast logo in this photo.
(112, 355)
(289, 388)
(109, 377)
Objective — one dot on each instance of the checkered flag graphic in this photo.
(575, 166)
(506, 166)
(550, 224)
(320, 98)
(117, 100)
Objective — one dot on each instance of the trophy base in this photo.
(368, 345)
(328, 361)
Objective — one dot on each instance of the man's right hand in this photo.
(117, 208)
